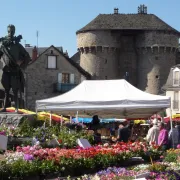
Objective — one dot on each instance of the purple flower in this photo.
(3, 133)
(28, 157)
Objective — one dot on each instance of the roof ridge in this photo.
(130, 21)
(126, 14)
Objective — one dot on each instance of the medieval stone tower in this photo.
(141, 46)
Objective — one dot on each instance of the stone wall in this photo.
(151, 38)
(128, 58)
(40, 81)
(157, 53)
(178, 57)
(153, 68)
(101, 64)
(97, 38)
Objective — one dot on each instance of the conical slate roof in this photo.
(127, 22)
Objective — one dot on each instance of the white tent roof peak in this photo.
(104, 90)
(105, 96)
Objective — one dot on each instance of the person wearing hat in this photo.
(153, 133)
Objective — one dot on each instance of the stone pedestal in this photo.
(13, 119)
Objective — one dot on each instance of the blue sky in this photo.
(58, 20)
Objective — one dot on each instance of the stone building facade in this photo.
(51, 74)
(140, 45)
(172, 89)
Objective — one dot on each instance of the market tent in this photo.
(167, 119)
(107, 99)
(89, 120)
(40, 115)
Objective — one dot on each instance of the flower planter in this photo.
(24, 178)
(68, 172)
(128, 162)
(31, 178)
(49, 176)
(144, 175)
(75, 161)
(16, 141)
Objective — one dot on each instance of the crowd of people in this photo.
(159, 134)
(163, 136)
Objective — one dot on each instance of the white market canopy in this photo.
(105, 98)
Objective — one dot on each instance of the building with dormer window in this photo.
(172, 89)
(50, 74)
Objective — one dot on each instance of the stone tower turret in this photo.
(140, 45)
(99, 54)
(156, 55)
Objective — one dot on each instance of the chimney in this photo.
(66, 54)
(27, 45)
(116, 10)
(34, 53)
(142, 9)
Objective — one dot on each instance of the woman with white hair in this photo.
(153, 133)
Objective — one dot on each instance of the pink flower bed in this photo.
(57, 153)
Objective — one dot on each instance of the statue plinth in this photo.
(13, 118)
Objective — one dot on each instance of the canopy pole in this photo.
(162, 118)
(70, 119)
(44, 125)
(50, 121)
(36, 110)
(77, 117)
(156, 117)
(61, 120)
(171, 127)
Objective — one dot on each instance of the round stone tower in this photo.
(156, 55)
(99, 54)
(140, 45)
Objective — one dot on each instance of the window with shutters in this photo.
(52, 62)
(176, 77)
(65, 78)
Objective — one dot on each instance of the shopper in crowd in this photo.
(123, 133)
(112, 129)
(153, 133)
(97, 137)
(174, 136)
(134, 133)
(163, 137)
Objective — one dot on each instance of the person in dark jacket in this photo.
(123, 133)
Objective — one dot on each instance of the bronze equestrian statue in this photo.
(16, 59)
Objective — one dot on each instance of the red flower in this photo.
(60, 141)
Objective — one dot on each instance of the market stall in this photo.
(106, 98)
